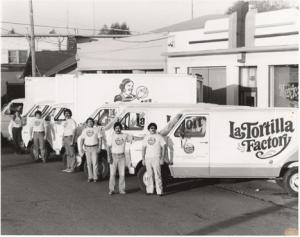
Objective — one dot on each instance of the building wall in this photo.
(264, 32)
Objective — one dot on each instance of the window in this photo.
(60, 115)
(17, 56)
(192, 126)
(42, 108)
(247, 86)
(284, 86)
(133, 121)
(104, 116)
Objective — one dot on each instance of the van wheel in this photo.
(31, 150)
(142, 177)
(103, 168)
(290, 181)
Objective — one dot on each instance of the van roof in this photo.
(44, 102)
(19, 100)
(233, 108)
(157, 105)
(62, 104)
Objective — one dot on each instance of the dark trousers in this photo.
(17, 138)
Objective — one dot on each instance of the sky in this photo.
(140, 15)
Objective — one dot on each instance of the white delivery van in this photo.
(7, 112)
(135, 119)
(88, 91)
(233, 142)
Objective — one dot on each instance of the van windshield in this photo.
(165, 131)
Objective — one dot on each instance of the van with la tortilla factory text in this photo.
(233, 142)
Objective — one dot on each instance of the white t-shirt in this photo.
(91, 136)
(118, 142)
(38, 125)
(153, 144)
(17, 123)
(69, 127)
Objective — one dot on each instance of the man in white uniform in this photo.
(38, 132)
(91, 143)
(116, 157)
(152, 154)
(68, 140)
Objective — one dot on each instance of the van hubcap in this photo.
(294, 182)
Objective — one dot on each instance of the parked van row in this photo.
(203, 140)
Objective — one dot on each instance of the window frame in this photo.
(177, 132)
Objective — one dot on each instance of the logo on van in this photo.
(189, 148)
(266, 139)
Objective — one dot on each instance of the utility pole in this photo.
(192, 5)
(94, 30)
(32, 40)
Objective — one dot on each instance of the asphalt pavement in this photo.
(38, 199)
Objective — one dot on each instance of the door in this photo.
(213, 84)
(188, 145)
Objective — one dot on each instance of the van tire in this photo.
(103, 168)
(290, 181)
(141, 177)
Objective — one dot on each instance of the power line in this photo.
(63, 27)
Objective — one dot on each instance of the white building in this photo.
(244, 59)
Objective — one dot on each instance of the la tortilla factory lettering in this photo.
(276, 129)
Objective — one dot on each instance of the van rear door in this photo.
(188, 145)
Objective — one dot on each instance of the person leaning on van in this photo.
(15, 131)
(91, 143)
(68, 140)
(38, 133)
(116, 157)
(152, 155)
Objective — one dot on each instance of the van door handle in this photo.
(204, 142)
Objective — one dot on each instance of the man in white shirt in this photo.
(68, 140)
(152, 154)
(91, 143)
(116, 157)
(38, 132)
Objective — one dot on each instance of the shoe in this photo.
(89, 180)
(65, 170)
(110, 192)
(161, 194)
(71, 171)
(44, 161)
(123, 192)
(95, 180)
(149, 193)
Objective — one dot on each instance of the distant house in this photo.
(50, 63)
(14, 54)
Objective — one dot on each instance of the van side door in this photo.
(188, 145)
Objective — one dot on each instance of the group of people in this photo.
(90, 143)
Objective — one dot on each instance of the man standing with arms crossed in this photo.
(152, 154)
(68, 140)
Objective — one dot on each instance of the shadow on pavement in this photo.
(219, 226)
(188, 185)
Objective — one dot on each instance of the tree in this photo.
(115, 29)
(261, 6)
(52, 31)
(12, 31)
